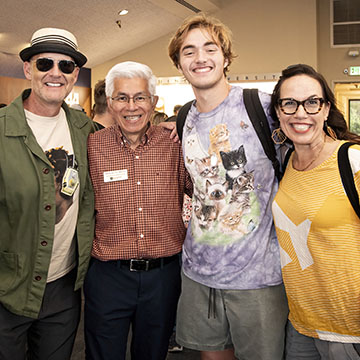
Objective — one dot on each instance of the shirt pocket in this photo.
(8, 270)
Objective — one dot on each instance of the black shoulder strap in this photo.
(287, 157)
(347, 177)
(258, 118)
(181, 117)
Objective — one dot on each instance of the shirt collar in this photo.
(145, 139)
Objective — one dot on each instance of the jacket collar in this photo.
(16, 125)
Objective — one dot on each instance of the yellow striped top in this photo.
(319, 236)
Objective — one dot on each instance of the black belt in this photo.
(147, 264)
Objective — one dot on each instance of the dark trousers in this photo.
(301, 347)
(116, 298)
(49, 337)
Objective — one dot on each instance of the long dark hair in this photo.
(335, 119)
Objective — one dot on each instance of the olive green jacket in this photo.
(27, 208)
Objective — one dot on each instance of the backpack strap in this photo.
(181, 117)
(287, 157)
(260, 123)
(347, 177)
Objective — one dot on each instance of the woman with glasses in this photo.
(317, 228)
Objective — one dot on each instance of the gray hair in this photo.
(129, 70)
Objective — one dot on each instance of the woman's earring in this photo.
(278, 137)
(330, 131)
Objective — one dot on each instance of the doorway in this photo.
(347, 97)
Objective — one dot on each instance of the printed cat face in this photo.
(207, 167)
(219, 133)
(232, 221)
(194, 149)
(244, 183)
(190, 141)
(235, 159)
(216, 191)
(205, 214)
(243, 186)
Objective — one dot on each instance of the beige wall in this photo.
(332, 61)
(11, 88)
(268, 36)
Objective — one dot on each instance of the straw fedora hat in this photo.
(54, 41)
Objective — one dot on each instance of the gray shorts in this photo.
(251, 321)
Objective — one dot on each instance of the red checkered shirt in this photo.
(138, 214)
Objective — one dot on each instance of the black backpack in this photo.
(346, 174)
(347, 177)
(258, 118)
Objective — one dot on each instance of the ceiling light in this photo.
(123, 12)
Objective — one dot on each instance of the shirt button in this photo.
(140, 209)
(137, 157)
(46, 170)
(48, 207)
(141, 235)
(38, 278)
(44, 243)
(139, 183)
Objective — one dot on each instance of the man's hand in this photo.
(172, 127)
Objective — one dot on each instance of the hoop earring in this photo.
(330, 131)
(278, 137)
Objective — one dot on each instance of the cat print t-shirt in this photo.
(53, 135)
(231, 241)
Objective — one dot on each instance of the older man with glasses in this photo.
(46, 204)
(139, 181)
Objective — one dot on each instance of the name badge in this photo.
(115, 175)
(70, 182)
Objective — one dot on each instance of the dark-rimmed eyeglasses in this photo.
(46, 64)
(138, 99)
(312, 105)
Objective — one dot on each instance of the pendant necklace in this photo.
(315, 158)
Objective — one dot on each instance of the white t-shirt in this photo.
(53, 135)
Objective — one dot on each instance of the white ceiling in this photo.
(93, 22)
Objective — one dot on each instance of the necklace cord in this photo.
(314, 159)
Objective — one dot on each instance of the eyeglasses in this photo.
(138, 99)
(312, 105)
(45, 64)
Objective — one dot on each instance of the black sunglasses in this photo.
(45, 64)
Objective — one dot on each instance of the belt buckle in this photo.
(142, 262)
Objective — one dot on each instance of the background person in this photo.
(316, 225)
(158, 117)
(46, 211)
(176, 110)
(139, 180)
(102, 115)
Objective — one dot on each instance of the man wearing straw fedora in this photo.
(46, 204)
